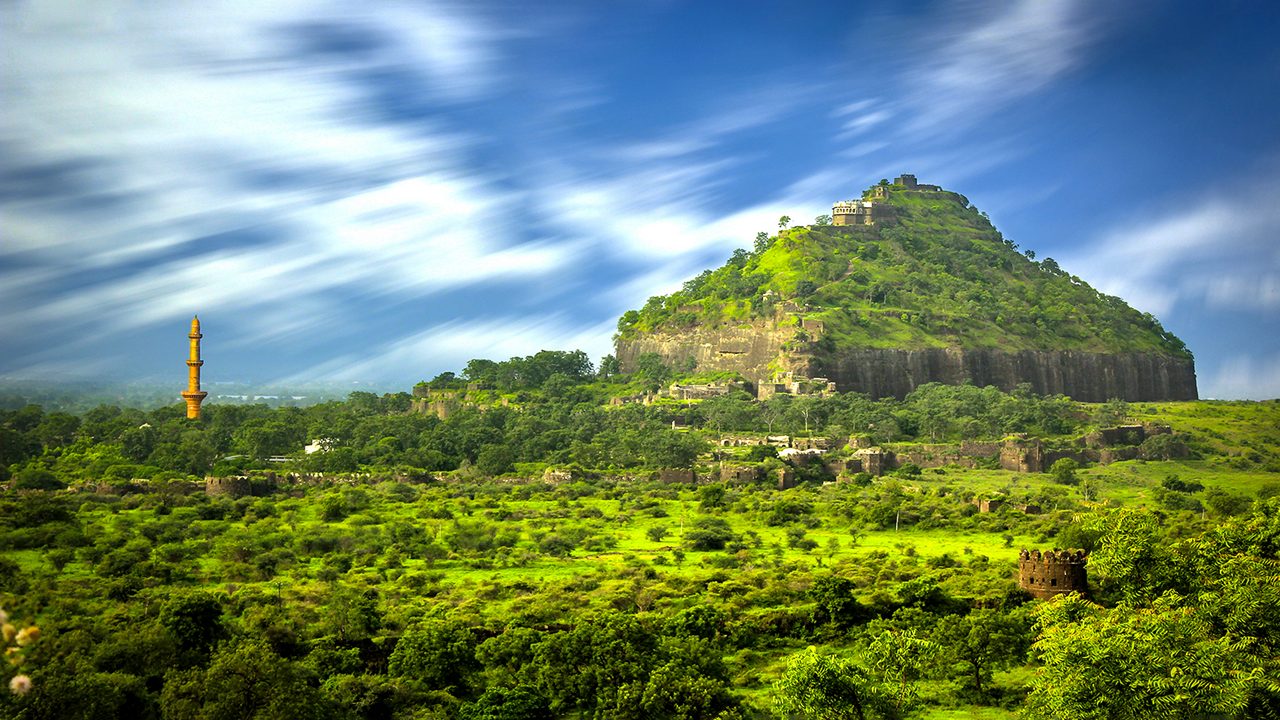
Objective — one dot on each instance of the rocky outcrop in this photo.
(762, 350)
(1084, 376)
(756, 350)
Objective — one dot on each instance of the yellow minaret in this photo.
(193, 396)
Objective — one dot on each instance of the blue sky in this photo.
(379, 191)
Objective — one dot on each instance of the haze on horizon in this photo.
(350, 192)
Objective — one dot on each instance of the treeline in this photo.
(564, 420)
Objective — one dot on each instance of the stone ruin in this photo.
(1053, 572)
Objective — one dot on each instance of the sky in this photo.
(378, 191)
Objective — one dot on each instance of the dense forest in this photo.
(499, 544)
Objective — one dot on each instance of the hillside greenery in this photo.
(422, 567)
(938, 274)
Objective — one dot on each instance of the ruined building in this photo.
(1052, 572)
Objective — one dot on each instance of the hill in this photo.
(922, 288)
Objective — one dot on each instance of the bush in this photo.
(709, 533)
(1063, 471)
(37, 479)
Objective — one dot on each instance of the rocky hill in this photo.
(910, 285)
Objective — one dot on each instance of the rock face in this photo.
(1088, 377)
(761, 350)
(757, 350)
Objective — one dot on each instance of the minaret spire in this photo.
(193, 395)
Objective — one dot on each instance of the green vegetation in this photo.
(428, 567)
(936, 275)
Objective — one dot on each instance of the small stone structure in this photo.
(1022, 454)
(874, 460)
(1053, 572)
(740, 474)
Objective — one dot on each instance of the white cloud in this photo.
(1246, 377)
(176, 108)
(450, 345)
(1213, 249)
(976, 66)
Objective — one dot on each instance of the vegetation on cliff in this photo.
(936, 274)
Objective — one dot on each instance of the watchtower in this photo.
(906, 180)
(1052, 572)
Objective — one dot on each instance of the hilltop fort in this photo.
(909, 284)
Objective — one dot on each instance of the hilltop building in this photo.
(193, 395)
(858, 212)
(870, 211)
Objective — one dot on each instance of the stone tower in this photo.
(1052, 572)
(193, 395)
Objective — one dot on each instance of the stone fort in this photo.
(1053, 572)
(872, 211)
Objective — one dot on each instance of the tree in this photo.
(609, 366)
(1132, 662)
(501, 703)
(762, 242)
(244, 680)
(783, 222)
(1112, 412)
(822, 220)
(900, 657)
(708, 533)
(37, 478)
(439, 653)
(1063, 471)
(589, 666)
(981, 642)
(1132, 558)
(836, 603)
(195, 621)
(822, 687)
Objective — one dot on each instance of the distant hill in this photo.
(920, 288)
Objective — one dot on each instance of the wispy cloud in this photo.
(1254, 377)
(1216, 250)
(212, 120)
(978, 64)
(451, 345)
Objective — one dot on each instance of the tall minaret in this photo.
(193, 396)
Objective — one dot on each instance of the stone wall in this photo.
(237, 486)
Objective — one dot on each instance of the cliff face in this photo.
(760, 350)
(756, 350)
(1088, 377)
